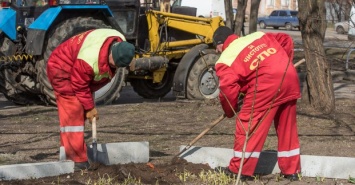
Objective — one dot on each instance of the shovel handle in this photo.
(213, 124)
(299, 62)
(94, 129)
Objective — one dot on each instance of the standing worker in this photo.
(76, 69)
(260, 66)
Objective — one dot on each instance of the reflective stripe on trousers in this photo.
(72, 129)
(247, 154)
(289, 153)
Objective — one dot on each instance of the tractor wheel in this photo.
(111, 91)
(202, 82)
(148, 89)
(12, 77)
(61, 33)
(13, 94)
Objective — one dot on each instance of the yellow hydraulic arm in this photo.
(203, 28)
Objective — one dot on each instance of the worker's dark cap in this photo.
(221, 34)
(122, 53)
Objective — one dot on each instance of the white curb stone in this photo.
(108, 154)
(117, 153)
(312, 166)
(35, 170)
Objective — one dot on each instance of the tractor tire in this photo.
(11, 78)
(61, 33)
(149, 90)
(202, 82)
(111, 91)
(13, 94)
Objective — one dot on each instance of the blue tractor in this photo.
(31, 29)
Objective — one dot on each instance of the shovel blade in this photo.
(94, 164)
(94, 152)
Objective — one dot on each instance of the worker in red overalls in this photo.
(259, 66)
(76, 69)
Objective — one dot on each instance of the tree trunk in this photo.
(240, 17)
(253, 18)
(347, 9)
(332, 7)
(319, 80)
(229, 13)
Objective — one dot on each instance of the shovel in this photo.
(213, 124)
(94, 163)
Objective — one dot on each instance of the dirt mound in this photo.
(145, 173)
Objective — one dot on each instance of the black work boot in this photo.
(233, 175)
(292, 177)
(81, 166)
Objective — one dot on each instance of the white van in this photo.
(205, 8)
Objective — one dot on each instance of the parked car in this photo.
(280, 18)
(342, 27)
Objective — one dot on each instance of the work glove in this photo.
(90, 114)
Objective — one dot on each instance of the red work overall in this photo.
(255, 65)
(72, 120)
(77, 68)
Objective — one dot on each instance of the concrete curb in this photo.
(117, 153)
(121, 153)
(108, 154)
(312, 166)
(35, 170)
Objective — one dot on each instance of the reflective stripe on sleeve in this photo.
(247, 154)
(290, 153)
(72, 129)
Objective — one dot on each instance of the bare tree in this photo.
(253, 19)
(319, 89)
(229, 13)
(339, 10)
(349, 4)
(240, 17)
(331, 6)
